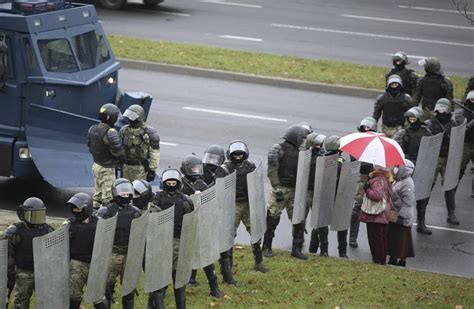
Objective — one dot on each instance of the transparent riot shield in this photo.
(257, 206)
(187, 246)
(51, 262)
(453, 165)
(100, 262)
(135, 252)
(225, 189)
(159, 250)
(346, 189)
(301, 188)
(324, 191)
(425, 165)
(207, 239)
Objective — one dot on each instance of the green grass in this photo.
(326, 283)
(325, 71)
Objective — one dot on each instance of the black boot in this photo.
(212, 279)
(449, 197)
(342, 243)
(102, 305)
(420, 216)
(192, 280)
(109, 295)
(298, 240)
(156, 300)
(180, 297)
(74, 304)
(354, 231)
(272, 223)
(128, 301)
(402, 263)
(257, 255)
(314, 242)
(231, 255)
(323, 240)
(392, 261)
(226, 269)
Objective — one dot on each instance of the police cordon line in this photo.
(126, 228)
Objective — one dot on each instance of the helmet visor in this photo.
(171, 174)
(124, 189)
(213, 159)
(130, 115)
(441, 108)
(237, 146)
(196, 170)
(35, 216)
(77, 202)
(139, 187)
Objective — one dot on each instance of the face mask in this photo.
(134, 124)
(415, 124)
(123, 200)
(170, 189)
(394, 91)
(399, 66)
(443, 117)
(140, 202)
(80, 216)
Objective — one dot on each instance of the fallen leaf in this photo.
(263, 301)
(227, 297)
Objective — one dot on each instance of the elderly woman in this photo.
(403, 201)
(378, 190)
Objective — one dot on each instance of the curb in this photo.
(249, 78)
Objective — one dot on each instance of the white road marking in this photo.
(175, 14)
(448, 229)
(244, 38)
(212, 111)
(430, 9)
(409, 56)
(373, 35)
(168, 144)
(402, 21)
(233, 3)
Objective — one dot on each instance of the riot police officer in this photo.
(122, 192)
(432, 87)
(213, 160)
(367, 124)
(192, 169)
(82, 227)
(169, 196)
(142, 146)
(21, 277)
(282, 169)
(142, 194)
(408, 76)
(392, 105)
(469, 86)
(237, 160)
(107, 150)
(409, 139)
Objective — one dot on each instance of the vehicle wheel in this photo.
(152, 2)
(112, 4)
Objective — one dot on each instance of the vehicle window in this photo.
(90, 49)
(31, 64)
(57, 56)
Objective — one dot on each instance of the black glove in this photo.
(150, 176)
(280, 197)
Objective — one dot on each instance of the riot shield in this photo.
(453, 165)
(3, 272)
(207, 235)
(51, 262)
(57, 140)
(257, 206)
(425, 165)
(301, 188)
(346, 189)
(159, 250)
(324, 191)
(187, 246)
(100, 262)
(225, 189)
(135, 252)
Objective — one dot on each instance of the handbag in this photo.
(372, 207)
(393, 216)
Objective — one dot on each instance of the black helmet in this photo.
(307, 127)
(32, 211)
(109, 113)
(81, 201)
(214, 155)
(400, 56)
(143, 193)
(315, 139)
(332, 143)
(237, 147)
(171, 174)
(192, 166)
(122, 191)
(415, 112)
(431, 65)
(295, 135)
(470, 97)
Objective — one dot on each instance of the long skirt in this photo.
(400, 242)
(377, 236)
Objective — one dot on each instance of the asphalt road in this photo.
(191, 113)
(361, 31)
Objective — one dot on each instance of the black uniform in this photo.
(409, 79)
(241, 191)
(431, 88)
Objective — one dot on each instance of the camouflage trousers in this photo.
(390, 131)
(275, 208)
(24, 286)
(134, 172)
(117, 268)
(242, 213)
(176, 242)
(440, 169)
(77, 278)
(467, 156)
(104, 178)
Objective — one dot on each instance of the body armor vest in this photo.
(136, 143)
(408, 81)
(24, 251)
(210, 176)
(81, 242)
(190, 187)
(394, 109)
(124, 223)
(436, 128)
(412, 140)
(241, 190)
(288, 165)
(434, 87)
(100, 151)
(165, 201)
(312, 169)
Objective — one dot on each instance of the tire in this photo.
(152, 2)
(112, 4)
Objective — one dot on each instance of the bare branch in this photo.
(463, 9)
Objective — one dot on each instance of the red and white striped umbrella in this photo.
(373, 148)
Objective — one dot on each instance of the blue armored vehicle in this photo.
(56, 70)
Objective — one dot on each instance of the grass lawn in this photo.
(325, 71)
